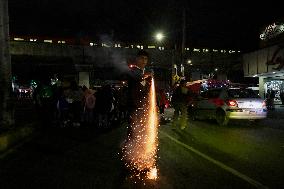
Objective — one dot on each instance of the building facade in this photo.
(267, 63)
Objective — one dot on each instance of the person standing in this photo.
(282, 96)
(89, 105)
(138, 103)
(272, 96)
(138, 83)
(179, 102)
(162, 101)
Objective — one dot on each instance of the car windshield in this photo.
(242, 93)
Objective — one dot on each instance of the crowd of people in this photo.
(103, 107)
(76, 106)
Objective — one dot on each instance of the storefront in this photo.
(268, 65)
(276, 85)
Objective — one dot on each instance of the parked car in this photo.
(224, 104)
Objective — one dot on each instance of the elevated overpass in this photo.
(38, 59)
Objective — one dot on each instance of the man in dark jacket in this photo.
(180, 102)
(138, 82)
(138, 104)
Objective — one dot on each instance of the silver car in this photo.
(224, 104)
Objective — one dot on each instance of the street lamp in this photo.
(159, 36)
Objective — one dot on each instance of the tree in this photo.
(5, 67)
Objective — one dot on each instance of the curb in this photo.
(14, 136)
(270, 122)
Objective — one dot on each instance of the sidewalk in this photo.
(277, 113)
(23, 128)
(275, 118)
(14, 136)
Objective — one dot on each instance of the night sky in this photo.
(209, 23)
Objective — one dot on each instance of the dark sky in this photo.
(210, 23)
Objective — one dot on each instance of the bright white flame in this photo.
(153, 174)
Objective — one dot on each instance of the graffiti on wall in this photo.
(277, 58)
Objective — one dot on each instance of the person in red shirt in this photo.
(161, 101)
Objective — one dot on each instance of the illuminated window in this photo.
(18, 39)
(196, 50)
(151, 47)
(91, 44)
(141, 47)
(61, 42)
(214, 50)
(105, 45)
(33, 40)
(47, 41)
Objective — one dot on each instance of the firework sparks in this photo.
(140, 150)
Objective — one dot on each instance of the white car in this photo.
(224, 104)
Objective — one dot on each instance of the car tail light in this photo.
(232, 103)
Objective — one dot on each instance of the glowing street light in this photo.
(159, 36)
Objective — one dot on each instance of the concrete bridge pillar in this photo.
(5, 68)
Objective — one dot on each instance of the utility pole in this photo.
(183, 40)
(5, 68)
